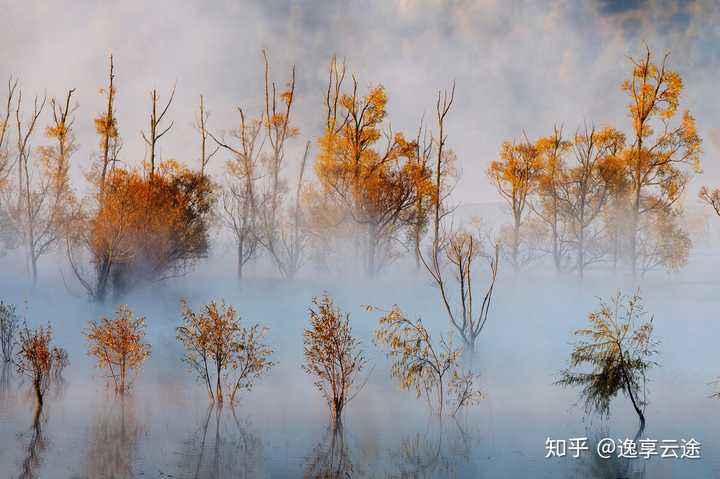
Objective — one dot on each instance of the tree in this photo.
(662, 242)
(547, 206)
(430, 367)
(215, 339)
(107, 129)
(117, 345)
(155, 128)
(8, 328)
(584, 190)
(660, 151)
(332, 355)
(292, 239)
(110, 143)
(618, 347)
(6, 162)
(44, 195)
(459, 249)
(515, 175)
(257, 206)
(38, 360)
(201, 126)
(145, 229)
(711, 197)
(376, 186)
(240, 199)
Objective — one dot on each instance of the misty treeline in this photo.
(598, 194)
(581, 197)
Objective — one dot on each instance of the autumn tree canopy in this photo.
(371, 172)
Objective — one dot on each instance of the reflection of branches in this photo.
(113, 440)
(331, 458)
(594, 466)
(5, 373)
(428, 455)
(35, 447)
(229, 452)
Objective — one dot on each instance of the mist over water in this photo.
(166, 426)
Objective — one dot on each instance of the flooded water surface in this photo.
(167, 427)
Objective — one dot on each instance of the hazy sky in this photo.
(518, 65)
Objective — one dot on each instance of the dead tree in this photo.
(459, 248)
(156, 130)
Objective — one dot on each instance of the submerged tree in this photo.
(431, 367)
(332, 355)
(117, 345)
(223, 351)
(8, 327)
(617, 348)
(38, 360)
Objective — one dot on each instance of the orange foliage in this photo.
(38, 360)
(117, 345)
(149, 229)
(378, 186)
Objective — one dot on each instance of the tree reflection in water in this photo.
(592, 466)
(331, 458)
(35, 447)
(438, 452)
(5, 389)
(223, 447)
(113, 440)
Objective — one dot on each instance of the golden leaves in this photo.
(117, 344)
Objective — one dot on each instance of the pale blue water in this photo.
(167, 428)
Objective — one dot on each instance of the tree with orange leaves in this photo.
(546, 201)
(146, 228)
(215, 339)
(515, 176)
(117, 345)
(585, 187)
(660, 151)
(332, 355)
(377, 186)
(38, 360)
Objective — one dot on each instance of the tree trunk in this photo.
(240, 260)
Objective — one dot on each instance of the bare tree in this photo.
(240, 198)
(460, 249)
(6, 162)
(200, 124)
(106, 127)
(43, 185)
(156, 130)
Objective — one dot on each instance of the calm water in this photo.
(166, 428)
